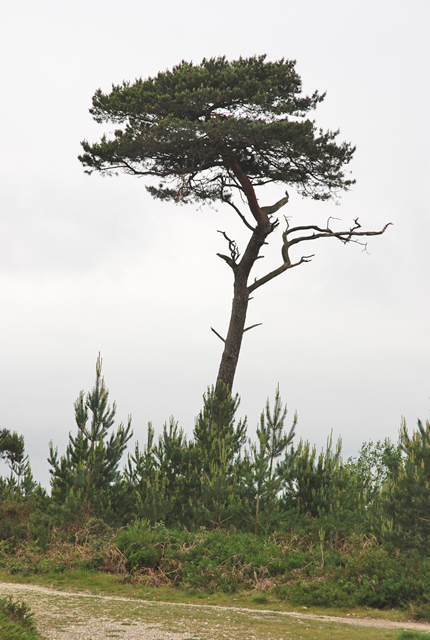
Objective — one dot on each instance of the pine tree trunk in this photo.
(233, 342)
(257, 513)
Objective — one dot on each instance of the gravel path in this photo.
(65, 615)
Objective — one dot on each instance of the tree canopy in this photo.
(193, 125)
(219, 131)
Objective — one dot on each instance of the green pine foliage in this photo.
(216, 458)
(187, 125)
(263, 475)
(20, 482)
(191, 483)
(216, 435)
(83, 479)
(324, 491)
(405, 496)
(315, 481)
(156, 478)
(218, 511)
(16, 621)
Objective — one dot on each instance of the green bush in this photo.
(208, 560)
(364, 574)
(92, 547)
(16, 621)
(142, 545)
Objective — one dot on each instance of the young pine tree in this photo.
(156, 477)
(406, 494)
(83, 478)
(263, 478)
(215, 458)
(12, 450)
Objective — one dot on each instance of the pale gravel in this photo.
(86, 627)
(99, 628)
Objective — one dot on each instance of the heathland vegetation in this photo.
(216, 512)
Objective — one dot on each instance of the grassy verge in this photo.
(148, 565)
(167, 610)
(80, 613)
(98, 583)
(228, 566)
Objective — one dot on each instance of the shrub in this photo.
(16, 621)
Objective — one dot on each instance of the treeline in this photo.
(218, 511)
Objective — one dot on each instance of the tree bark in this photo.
(241, 272)
(233, 341)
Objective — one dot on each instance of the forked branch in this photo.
(352, 235)
(234, 252)
(277, 272)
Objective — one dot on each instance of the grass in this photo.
(98, 583)
(205, 621)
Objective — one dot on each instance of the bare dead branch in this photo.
(352, 235)
(239, 213)
(228, 260)
(277, 272)
(268, 211)
(217, 334)
(343, 236)
(234, 251)
(252, 326)
(274, 223)
(328, 220)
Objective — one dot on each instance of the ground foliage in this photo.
(218, 512)
(16, 621)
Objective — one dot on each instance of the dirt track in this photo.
(64, 615)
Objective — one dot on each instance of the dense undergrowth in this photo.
(289, 566)
(217, 512)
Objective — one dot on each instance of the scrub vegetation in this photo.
(217, 514)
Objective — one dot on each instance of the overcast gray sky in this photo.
(90, 264)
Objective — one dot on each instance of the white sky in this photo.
(90, 264)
